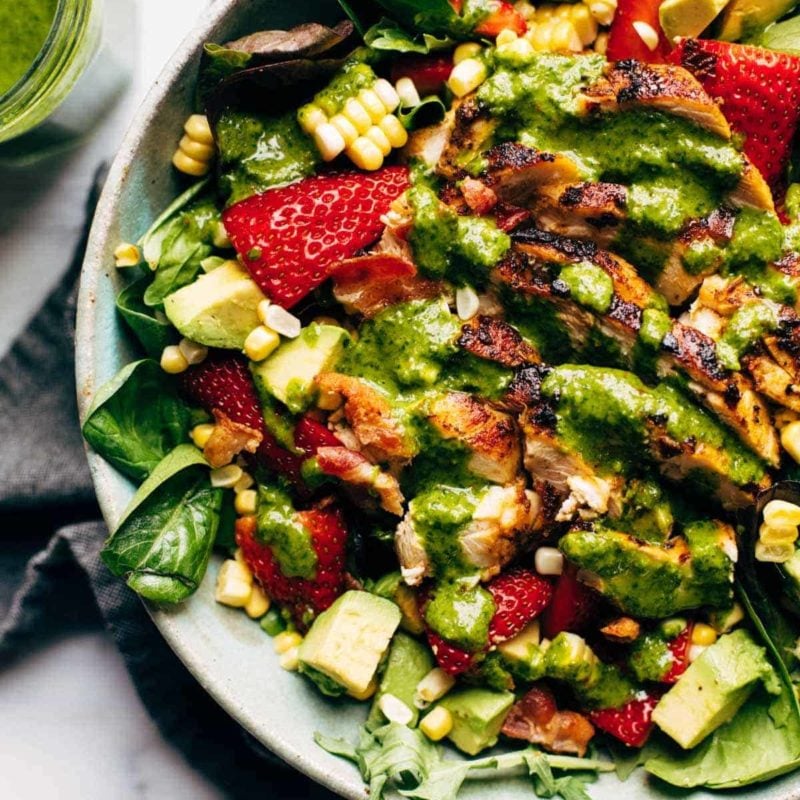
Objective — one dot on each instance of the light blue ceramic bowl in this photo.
(228, 654)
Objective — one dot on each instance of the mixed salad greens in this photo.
(473, 344)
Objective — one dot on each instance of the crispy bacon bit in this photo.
(478, 196)
(536, 719)
(622, 630)
(228, 439)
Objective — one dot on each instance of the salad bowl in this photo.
(229, 655)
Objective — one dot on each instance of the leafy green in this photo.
(429, 111)
(163, 543)
(782, 36)
(136, 419)
(216, 64)
(433, 16)
(154, 334)
(389, 36)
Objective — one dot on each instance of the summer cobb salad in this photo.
(473, 344)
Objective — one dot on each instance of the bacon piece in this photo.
(228, 439)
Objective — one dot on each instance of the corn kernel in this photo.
(387, 94)
(549, 561)
(196, 150)
(790, 439)
(394, 130)
(329, 141)
(372, 104)
(310, 117)
(525, 9)
(173, 361)
(290, 660)
(127, 255)
(703, 634)
(244, 483)
(647, 33)
(467, 302)
(365, 154)
(239, 558)
(225, 477)
(285, 641)
(585, 24)
(329, 401)
(407, 91)
(506, 36)
(466, 76)
(774, 553)
(435, 685)
(258, 604)
(198, 129)
(601, 43)
(234, 585)
(781, 512)
(188, 165)
(372, 687)
(346, 129)
(777, 534)
(545, 13)
(193, 352)
(201, 434)
(220, 237)
(521, 48)
(245, 502)
(437, 724)
(565, 37)
(540, 35)
(283, 322)
(379, 139)
(602, 10)
(395, 710)
(261, 310)
(695, 651)
(260, 342)
(357, 115)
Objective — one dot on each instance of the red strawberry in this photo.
(310, 435)
(759, 90)
(624, 40)
(630, 723)
(290, 237)
(223, 382)
(572, 606)
(503, 15)
(453, 660)
(520, 595)
(305, 597)
(429, 73)
(679, 647)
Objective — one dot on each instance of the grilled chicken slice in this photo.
(490, 436)
(661, 87)
(471, 133)
(773, 381)
(492, 339)
(752, 191)
(428, 144)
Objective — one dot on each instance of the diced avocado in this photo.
(478, 716)
(688, 17)
(408, 662)
(218, 309)
(288, 374)
(744, 19)
(648, 580)
(347, 642)
(713, 688)
(522, 656)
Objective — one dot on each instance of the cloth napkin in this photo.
(52, 580)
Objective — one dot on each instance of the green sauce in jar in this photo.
(24, 27)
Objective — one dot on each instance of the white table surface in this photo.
(71, 724)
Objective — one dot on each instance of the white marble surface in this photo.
(71, 724)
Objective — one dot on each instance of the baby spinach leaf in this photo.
(389, 36)
(434, 16)
(429, 111)
(782, 36)
(164, 541)
(136, 419)
(154, 334)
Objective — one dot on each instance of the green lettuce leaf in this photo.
(389, 36)
(154, 334)
(782, 36)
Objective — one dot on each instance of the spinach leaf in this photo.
(387, 35)
(136, 419)
(782, 36)
(164, 541)
(433, 16)
(429, 111)
(154, 334)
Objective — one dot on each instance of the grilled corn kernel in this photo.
(197, 150)
(346, 129)
(311, 117)
(283, 322)
(357, 115)
(234, 585)
(201, 434)
(395, 710)
(189, 165)
(372, 104)
(506, 36)
(225, 477)
(602, 10)
(774, 553)
(193, 352)
(173, 361)
(601, 43)
(468, 50)
(394, 130)
(435, 685)
(127, 255)
(290, 660)
(703, 634)
(329, 141)
(285, 641)
(790, 439)
(198, 129)
(647, 33)
(466, 76)
(257, 604)
(365, 154)
(565, 37)
(329, 401)
(372, 687)
(585, 24)
(260, 342)
(777, 534)
(549, 561)
(437, 724)
(239, 558)
(407, 91)
(387, 94)
(379, 139)
(781, 512)
(245, 502)
(245, 482)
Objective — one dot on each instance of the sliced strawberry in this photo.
(223, 382)
(630, 723)
(501, 17)
(679, 647)
(304, 597)
(572, 606)
(759, 90)
(520, 595)
(290, 237)
(624, 40)
(453, 660)
(429, 73)
(310, 435)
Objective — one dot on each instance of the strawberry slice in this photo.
(289, 238)
(303, 596)
(429, 73)
(679, 647)
(572, 606)
(759, 90)
(502, 16)
(310, 435)
(630, 723)
(624, 41)
(453, 660)
(223, 382)
(520, 595)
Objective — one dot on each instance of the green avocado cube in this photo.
(478, 716)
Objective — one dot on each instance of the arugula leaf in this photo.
(163, 543)
(389, 36)
(782, 36)
(136, 419)
(153, 334)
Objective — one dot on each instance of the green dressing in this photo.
(748, 324)
(461, 612)
(24, 27)
(288, 539)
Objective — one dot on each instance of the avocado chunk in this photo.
(408, 662)
(688, 17)
(288, 374)
(650, 580)
(745, 19)
(218, 309)
(522, 656)
(714, 688)
(347, 641)
(478, 716)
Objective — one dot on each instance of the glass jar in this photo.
(66, 88)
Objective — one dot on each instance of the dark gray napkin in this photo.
(52, 580)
